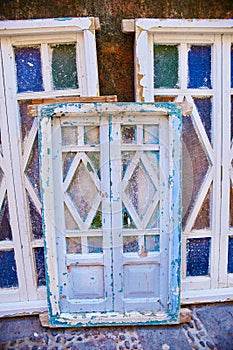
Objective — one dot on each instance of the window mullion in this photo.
(46, 66)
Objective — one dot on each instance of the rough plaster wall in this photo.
(115, 49)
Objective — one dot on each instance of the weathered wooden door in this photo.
(112, 201)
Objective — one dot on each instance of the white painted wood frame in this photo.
(41, 33)
(218, 34)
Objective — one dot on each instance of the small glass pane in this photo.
(130, 244)
(128, 133)
(198, 252)
(195, 166)
(204, 108)
(82, 191)
(35, 220)
(230, 255)
(67, 159)
(26, 121)
(140, 189)
(126, 159)
(5, 227)
(127, 220)
(64, 69)
(199, 66)
(155, 218)
(97, 221)
(71, 224)
(8, 270)
(28, 69)
(232, 66)
(203, 218)
(95, 244)
(91, 135)
(166, 66)
(151, 134)
(231, 207)
(95, 162)
(151, 243)
(33, 168)
(74, 245)
(40, 266)
(69, 135)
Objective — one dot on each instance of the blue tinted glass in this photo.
(40, 266)
(198, 251)
(8, 271)
(230, 255)
(231, 66)
(199, 65)
(28, 67)
(204, 107)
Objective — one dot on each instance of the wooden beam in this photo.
(128, 26)
(33, 108)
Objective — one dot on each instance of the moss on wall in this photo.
(115, 49)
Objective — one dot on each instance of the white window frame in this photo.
(218, 34)
(28, 297)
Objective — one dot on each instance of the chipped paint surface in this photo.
(111, 114)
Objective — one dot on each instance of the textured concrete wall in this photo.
(115, 49)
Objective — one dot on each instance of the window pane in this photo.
(64, 69)
(35, 220)
(230, 255)
(40, 266)
(198, 251)
(128, 134)
(95, 244)
(5, 227)
(166, 63)
(28, 68)
(204, 108)
(231, 66)
(151, 134)
(130, 244)
(74, 245)
(151, 243)
(8, 271)
(199, 66)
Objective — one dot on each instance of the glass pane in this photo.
(151, 134)
(91, 135)
(128, 133)
(198, 252)
(69, 135)
(95, 162)
(74, 245)
(126, 159)
(35, 220)
(155, 218)
(64, 69)
(5, 227)
(69, 220)
(231, 207)
(203, 217)
(97, 221)
(199, 66)
(40, 266)
(8, 270)
(130, 244)
(95, 244)
(230, 255)
(33, 169)
(82, 191)
(231, 66)
(28, 69)
(67, 159)
(195, 166)
(127, 220)
(151, 243)
(204, 107)
(26, 121)
(166, 64)
(140, 189)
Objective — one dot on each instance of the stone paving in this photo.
(211, 327)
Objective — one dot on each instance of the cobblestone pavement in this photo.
(211, 327)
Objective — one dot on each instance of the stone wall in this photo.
(115, 49)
